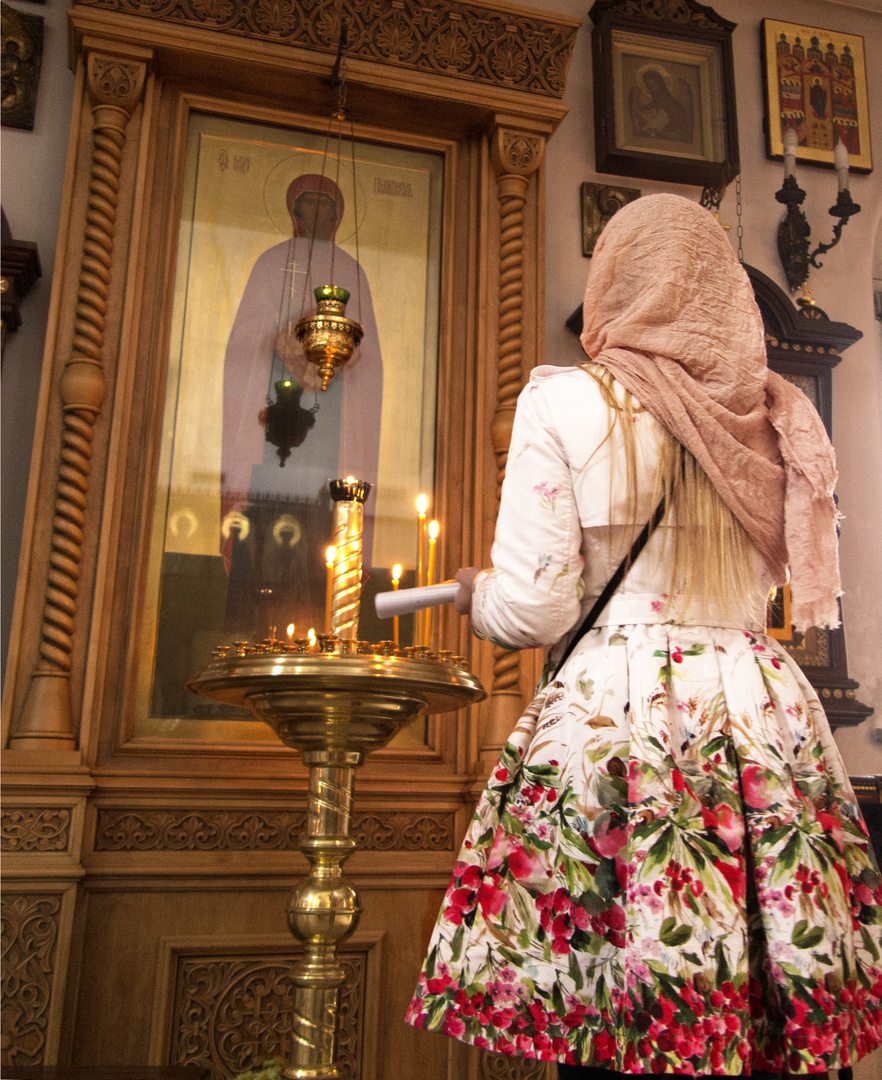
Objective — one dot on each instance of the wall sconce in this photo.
(794, 230)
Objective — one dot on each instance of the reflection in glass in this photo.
(249, 440)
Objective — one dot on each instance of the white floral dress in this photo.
(668, 871)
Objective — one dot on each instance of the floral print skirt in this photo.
(667, 872)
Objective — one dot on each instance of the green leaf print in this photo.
(585, 688)
(673, 935)
(606, 881)
(805, 938)
(869, 944)
(575, 972)
(723, 972)
(456, 943)
(430, 963)
(557, 999)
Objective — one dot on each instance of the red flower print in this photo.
(520, 864)
(604, 1046)
(452, 1024)
(754, 783)
(734, 875)
(491, 898)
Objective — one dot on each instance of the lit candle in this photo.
(840, 160)
(348, 524)
(330, 556)
(791, 143)
(396, 577)
(430, 574)
(290, 631)
(311, 638)
(422, 505)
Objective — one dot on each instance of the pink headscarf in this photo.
(670, 312)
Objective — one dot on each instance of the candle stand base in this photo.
(334, 709)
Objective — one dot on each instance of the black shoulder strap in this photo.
(614, 582)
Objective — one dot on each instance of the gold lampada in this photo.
(348, 527)
(334, 701)
(329, 339)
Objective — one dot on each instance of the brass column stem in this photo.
(323, 911)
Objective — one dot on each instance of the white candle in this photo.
(396, 577)
(791, 142)
(430, 575)
(840, 160)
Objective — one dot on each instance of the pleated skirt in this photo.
(667, 872)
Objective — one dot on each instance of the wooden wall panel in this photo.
(160, 869)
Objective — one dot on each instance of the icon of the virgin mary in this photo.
(337, 430)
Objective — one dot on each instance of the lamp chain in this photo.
(739, 232)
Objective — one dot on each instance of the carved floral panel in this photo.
(25, 829)
(505, 48)
(262, 830)
(232, 1014)
(29, 937)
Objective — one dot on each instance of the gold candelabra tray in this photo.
(345, 695)
(334, 702)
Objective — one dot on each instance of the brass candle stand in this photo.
(334, 702)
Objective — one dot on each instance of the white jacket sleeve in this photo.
(531, 596)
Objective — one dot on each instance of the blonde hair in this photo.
(710, 553)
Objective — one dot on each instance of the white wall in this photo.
(843, 288)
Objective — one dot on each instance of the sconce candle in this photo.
(840, 160)
(348, 525)
(791, 144)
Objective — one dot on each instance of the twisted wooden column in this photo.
(115, 87)
(515, 156)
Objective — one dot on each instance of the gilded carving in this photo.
(264, 830)
(231, 1014)
(504, 47)
(29, 936)
(26, 829)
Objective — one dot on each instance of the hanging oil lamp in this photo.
(287, 422)
(328, 337)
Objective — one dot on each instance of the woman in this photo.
(667, 872)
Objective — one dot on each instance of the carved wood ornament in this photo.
(166, 834)
(46, 722)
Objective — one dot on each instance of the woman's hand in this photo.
(462, 602)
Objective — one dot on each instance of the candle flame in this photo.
(422, 505)
(434, 529)
(396, 573)
(290, 629)
(310, 634)
(330, 556)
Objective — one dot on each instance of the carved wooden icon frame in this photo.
(169, 834)
(664, 93)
